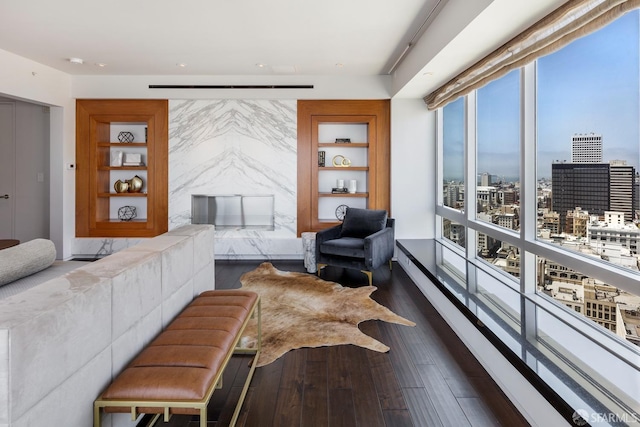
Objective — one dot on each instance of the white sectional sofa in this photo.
(63, 341)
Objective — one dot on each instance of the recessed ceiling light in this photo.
(181, 65)
(260, 65)
(101, 64)
(339, 65)
(76, 61)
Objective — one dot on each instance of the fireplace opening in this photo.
(234, 211)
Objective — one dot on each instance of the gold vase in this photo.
(121, 186)
(135, 184)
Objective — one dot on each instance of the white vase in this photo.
(353, 185)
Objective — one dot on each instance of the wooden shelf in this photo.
(122, 194)
(323, 194)
(343, 169)
(344, 144)
(97, 123)
(123, 168)
(111, 221)
(122, 144)
(324, 120)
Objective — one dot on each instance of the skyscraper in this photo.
(579, 185)
(485, 179)
(622, 189)
(586, 148)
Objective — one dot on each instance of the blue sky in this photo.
(591, 85)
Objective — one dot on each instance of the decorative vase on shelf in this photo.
(353, 185)
(121, 186)
(135, 184)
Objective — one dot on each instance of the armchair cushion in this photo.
(345, 246)
(360, 223)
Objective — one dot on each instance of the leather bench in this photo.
(179, 370)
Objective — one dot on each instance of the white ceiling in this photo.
(212, 37)
(290, 37)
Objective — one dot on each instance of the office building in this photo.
(586, 148)
(623, 192)
(579, 185)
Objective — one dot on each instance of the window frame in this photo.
(617, 348)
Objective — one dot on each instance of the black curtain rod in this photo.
(230, 86)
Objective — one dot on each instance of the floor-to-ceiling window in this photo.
(548, 157)
(498, 168)
(453, 131)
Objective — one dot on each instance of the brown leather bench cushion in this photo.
(181, 363)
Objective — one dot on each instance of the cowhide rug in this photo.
(301, 310)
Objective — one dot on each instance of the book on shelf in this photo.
(132, 164)
(342, 190)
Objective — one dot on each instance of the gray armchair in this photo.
(364, 241)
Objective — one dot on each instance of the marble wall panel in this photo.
(99, 247)
(231, 146)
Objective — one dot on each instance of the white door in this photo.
(7, 170)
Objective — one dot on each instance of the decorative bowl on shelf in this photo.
(125, 137)
(127, 213)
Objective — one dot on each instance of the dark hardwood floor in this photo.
(429, 378)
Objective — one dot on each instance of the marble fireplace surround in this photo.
(230, 146)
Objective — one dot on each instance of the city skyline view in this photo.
(552, 256)
(588, 103)
(590, 95)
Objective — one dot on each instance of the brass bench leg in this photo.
(96, 416)
(153, 420)
(203, 417)
(252, 369)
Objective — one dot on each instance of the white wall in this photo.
(325, 87)
(413, 165)
(454, 17)
(30, 81)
